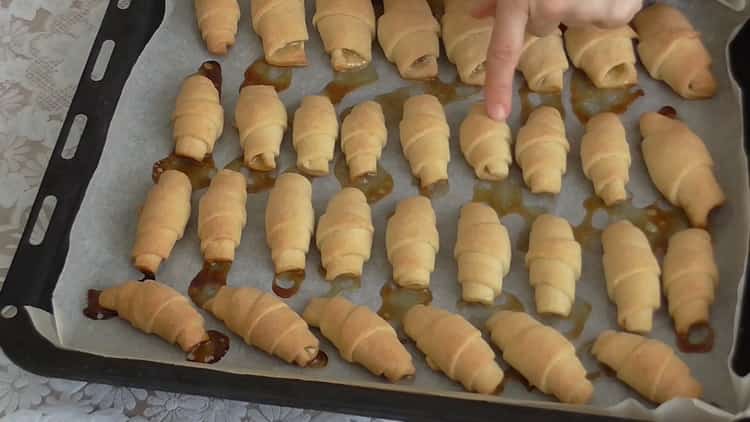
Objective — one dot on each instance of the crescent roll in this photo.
(198, 119)
(467, 39)
(455, 347)
(408, 34)
(690, 278)
(347, 28)
(344, 234)
(261, 120)
(217, 21)
(605, 156)
(265, 322)
(543, 62)
(544, 357)
(554, 262)
(671, 50)
(222, 216)
(425, 139)
(361, 336)
(412, 241)
(632, 274)
(282, 28)
(485, 143)
(162, 220)
(363, 136)
(482, 252)
(290, 220)
(680, 166)
(156, 308)
(542, 150)
(314, 137)
(606, 55)
(649, 366)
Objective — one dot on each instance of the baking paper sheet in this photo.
(140, 134)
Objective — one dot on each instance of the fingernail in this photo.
(497, 112)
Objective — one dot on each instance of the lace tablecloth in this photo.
(43, 47)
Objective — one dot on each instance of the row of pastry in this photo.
(677, 159)
(451, 344)
(669, 47)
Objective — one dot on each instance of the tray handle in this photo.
(33, 274)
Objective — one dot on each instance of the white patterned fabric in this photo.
(38, 76)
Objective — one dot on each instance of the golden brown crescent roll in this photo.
(680, 166)
(425, 139)
(483, 253)
(606, 55)
(542, 150)
(605, 156)
(347, 28)
(671, 50)
(554, 262)
(690, 278)
(363, 136)
(632, 274)
(156, 308)
(217, 20)
(198, 118)
(344, 234)
(265, 322)
(261, 120)
(467, 39)
(543, 62)
(412, 241)
(485, 144)
(314, 137)
(408, 34)
(455, 347)
(649, 366)
(544, 357)
(282, 28)
(361, 336)
(222, 216)
(290, 220)
(162, 220)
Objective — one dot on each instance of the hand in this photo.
(540, 17)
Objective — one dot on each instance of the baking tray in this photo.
(36, 268)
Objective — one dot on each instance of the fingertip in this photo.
(497, 112)
(484, 10)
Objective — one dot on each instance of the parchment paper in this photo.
(103, 234)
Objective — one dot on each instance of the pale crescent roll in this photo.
(282, 28)
(261, 119)
(543, 62)
(606, 55)
(485, 143)
(222, 216)
(347, 28)
(680, 166)
(217, 21)
(649, 366)
(363, 136)
(412, 241)
(632, 274)
(198, 119)
(671, 50)
(605, 156)
(542, 355)
(344, 234)
(425, 139)
(314, 135)
(290, 220)
(542, 150)
(408, 34)
(467, 39)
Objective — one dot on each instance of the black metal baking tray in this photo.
(35, 269)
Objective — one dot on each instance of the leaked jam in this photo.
(257, 181)
(344, 83)
(262, 73)
(199, 172)
(375, 186)
(345, 283)
(211, 350)
(398, 300)
(94, 310)
(588, 100)
(211, 278)
(319, 361)
(212, 71)
(531, 100)
(698, 339)
(479, 313)
(668, 111)
(571, 326)
(288, 283)
(435, 190)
